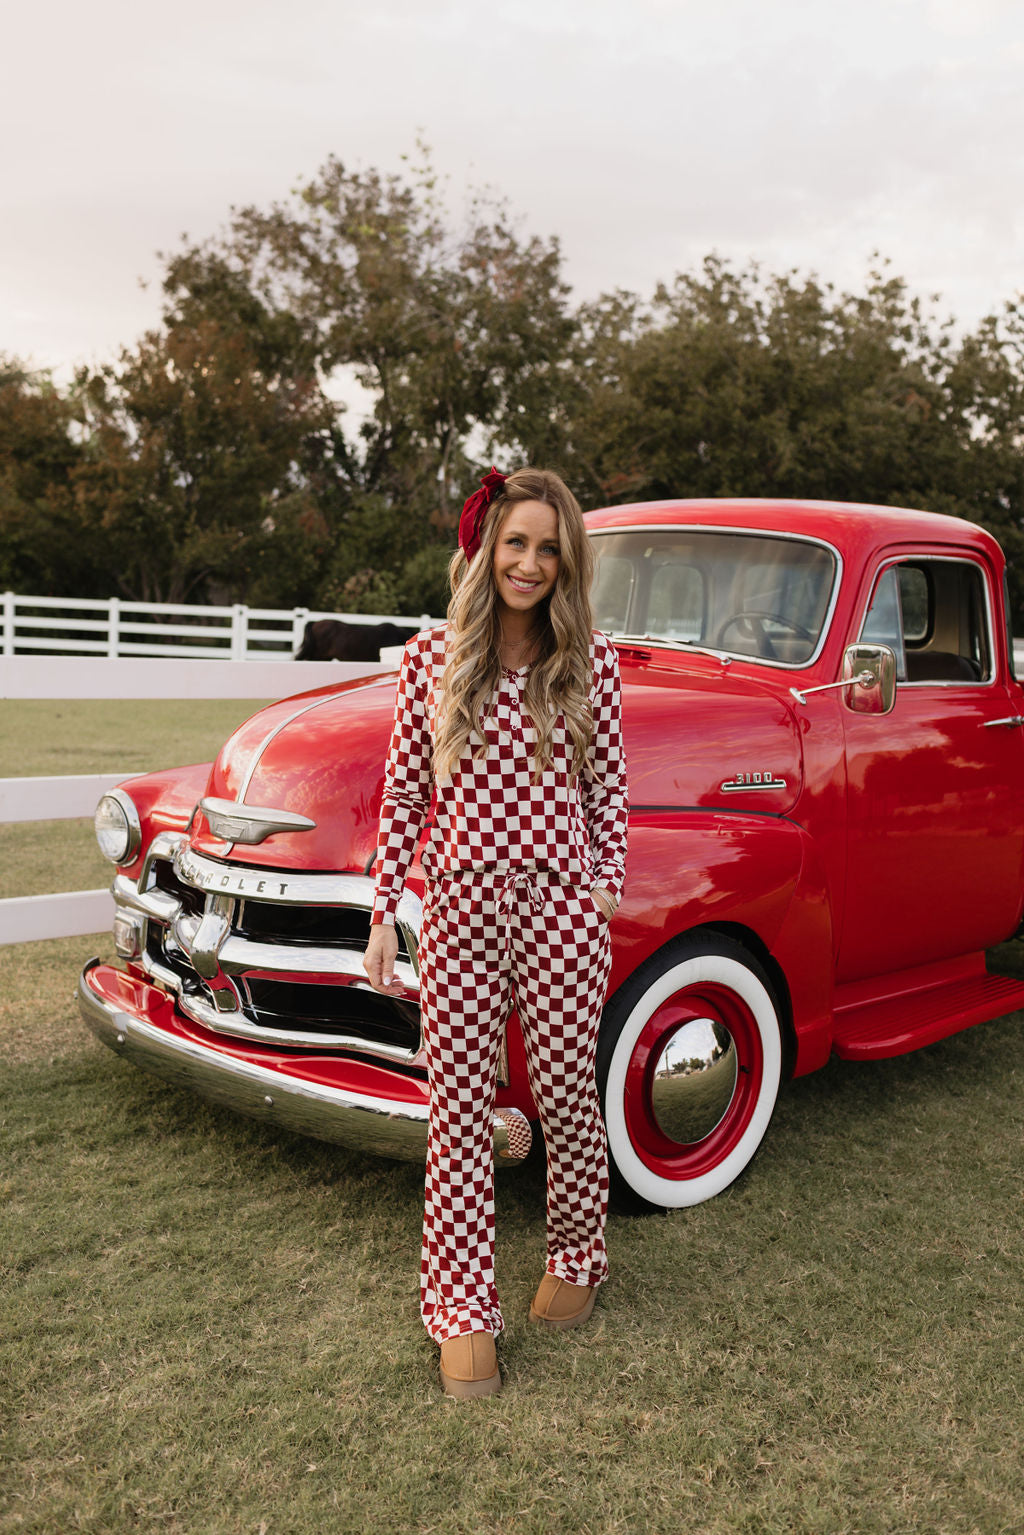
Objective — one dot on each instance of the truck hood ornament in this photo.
(249, 823)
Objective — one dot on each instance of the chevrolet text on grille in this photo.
(237, 885)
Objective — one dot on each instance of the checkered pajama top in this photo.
(488, 815)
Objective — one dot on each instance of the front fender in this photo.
(759, 873)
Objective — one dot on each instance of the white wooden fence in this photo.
(70, 914)
(84, 626)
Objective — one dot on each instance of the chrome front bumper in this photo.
(377, 1125)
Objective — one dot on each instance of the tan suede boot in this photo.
(469, 1366)
(558, 1303)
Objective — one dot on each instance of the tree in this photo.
(39, 453)
(986, 384)
(218, 459)
(201, 442)
(461, 342)
(733, 384)
(730, 384)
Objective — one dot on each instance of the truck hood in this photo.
(692, 739)
(320, 755)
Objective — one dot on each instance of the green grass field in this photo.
(40, 738)
(207, 1325)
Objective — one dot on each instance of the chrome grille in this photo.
(279, 1004)
(287, 972)
(165, 879)
(305, 925)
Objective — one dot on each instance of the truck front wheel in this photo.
(688, 1063)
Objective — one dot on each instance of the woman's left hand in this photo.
(605, 902)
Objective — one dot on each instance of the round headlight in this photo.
(118, 831)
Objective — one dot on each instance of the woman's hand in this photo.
(379, 959)
(605, 902)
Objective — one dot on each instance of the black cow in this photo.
(329, 639)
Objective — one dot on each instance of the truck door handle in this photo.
(1010, 722)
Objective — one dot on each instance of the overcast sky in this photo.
(644, 133)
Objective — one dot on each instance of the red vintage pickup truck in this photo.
(825, 742)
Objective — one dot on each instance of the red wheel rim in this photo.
(678, 1160)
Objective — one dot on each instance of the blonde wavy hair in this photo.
(561, 678)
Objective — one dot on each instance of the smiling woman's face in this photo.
(526, 556)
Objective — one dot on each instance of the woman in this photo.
(508, 716)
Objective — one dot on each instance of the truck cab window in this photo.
(676, 605)
(935, 615)
(611, 592)
(884, 622)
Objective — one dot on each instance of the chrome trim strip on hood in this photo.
(314, 703)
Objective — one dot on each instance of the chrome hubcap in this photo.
(694, 1080)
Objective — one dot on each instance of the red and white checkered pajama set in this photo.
(508, 922)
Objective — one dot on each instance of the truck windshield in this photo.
(746, 594)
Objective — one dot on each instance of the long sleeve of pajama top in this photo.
(489, 815)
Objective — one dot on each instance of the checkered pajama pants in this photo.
(489, 944)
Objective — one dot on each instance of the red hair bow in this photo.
(475, 510)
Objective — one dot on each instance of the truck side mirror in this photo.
(869, 678)
(870, 672)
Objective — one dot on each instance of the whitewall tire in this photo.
(689, 1064)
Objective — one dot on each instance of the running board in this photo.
(918, 1008)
